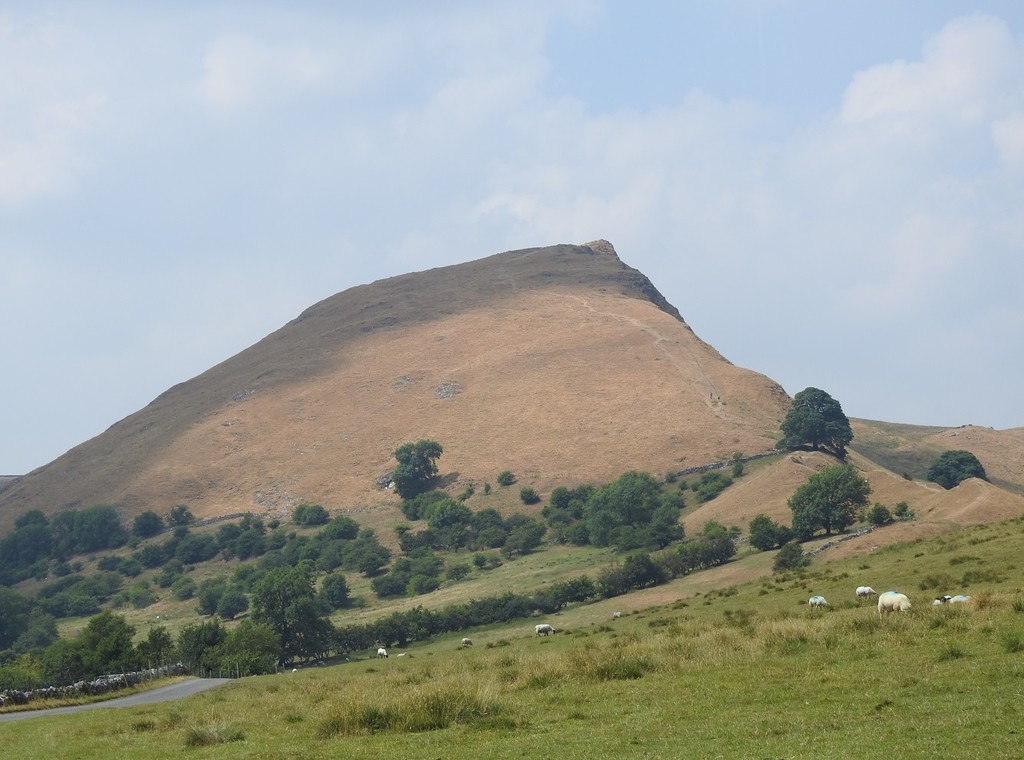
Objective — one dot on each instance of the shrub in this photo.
(506, 478)
(902, 511)
(710, 485)
(310, 514)
(528, 495)
(879, 514)
(790, 557)
(457, 572)
(147, 524)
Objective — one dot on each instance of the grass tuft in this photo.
(207, 736)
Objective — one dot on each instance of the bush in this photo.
(902, 511)
(954, 467)
(879, 514)
(147, 524)
(710, 485)
(310, 514)
(457, 572)
(528, 496)
(790, 557)
(506, 478)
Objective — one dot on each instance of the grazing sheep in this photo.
(892, 601)
(616, 614)
(543, 629)
(467, 642)
(865, 592)
(818, 601)
(382, 654)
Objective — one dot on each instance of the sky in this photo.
(832, 194)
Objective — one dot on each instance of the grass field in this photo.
(747, 670)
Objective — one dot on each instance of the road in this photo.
(163, 694)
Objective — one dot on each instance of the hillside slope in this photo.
(561, 364)
(911, 449)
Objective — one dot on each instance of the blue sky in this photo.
(830, 193)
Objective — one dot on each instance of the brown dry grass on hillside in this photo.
(559, 364)
(558, 387)
(767, 490)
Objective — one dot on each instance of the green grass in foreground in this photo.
(748, 671)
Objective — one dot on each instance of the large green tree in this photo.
(816, 420)
(285, 600)
(622, 513)
(417, 466)
(829, 500)
(954, 467)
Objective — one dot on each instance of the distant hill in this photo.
(561, 364)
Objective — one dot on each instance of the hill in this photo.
(561, 364)
(911, 449)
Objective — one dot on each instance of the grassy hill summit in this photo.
(561, 364)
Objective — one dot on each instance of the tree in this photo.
(790, 557)
(232, 602)
(250, 649)
(524, 536)
(285, 601)
(621, 512)
(107, 644)
(310, 514)
(157, 647)
(335, 591)
(879, 514)
(816, 419)
(197, 644)
(180, 516)
(147, 524)
(766, 534)
(417, 466)
(829, 499)
(954, 467)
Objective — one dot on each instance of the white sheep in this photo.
(467, 642)
(893, 601)
(382, 654)
(616, 614)
(959, 599)
(818, 601)
(865, 592)
(543, 629)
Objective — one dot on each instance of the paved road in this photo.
(163, 694)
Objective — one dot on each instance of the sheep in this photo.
(947, 599)
(892, 601)
(543, 629)
(818, 601)
(467, 642)
(865, 592)
(382, 654)
(616, 614)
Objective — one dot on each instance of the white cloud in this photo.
(1008, 135)
(239, 70)
(960, 77)
(48, 107)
